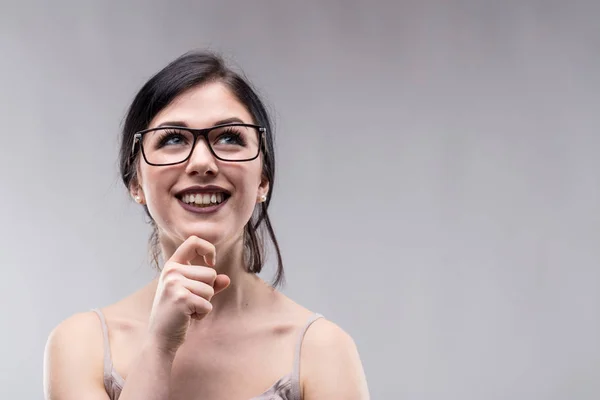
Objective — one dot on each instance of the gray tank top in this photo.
(286, 388)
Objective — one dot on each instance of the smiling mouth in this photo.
(204, 200)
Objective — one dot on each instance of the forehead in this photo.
(202, 106)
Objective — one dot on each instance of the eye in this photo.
(171, 138)
(231, 136)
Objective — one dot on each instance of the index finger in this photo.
(193, 247)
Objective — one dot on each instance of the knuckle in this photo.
(180, 296)
(170, 268)
(171, 282)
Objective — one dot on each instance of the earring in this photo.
(138, 199)
(263, 198)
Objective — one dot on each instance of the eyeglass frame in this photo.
(196, 132)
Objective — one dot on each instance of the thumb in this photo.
(221, 283)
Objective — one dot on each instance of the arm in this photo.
(331, 367)
(73, 360)
(150, 377)
(73, 365)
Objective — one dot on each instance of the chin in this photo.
(209, 235)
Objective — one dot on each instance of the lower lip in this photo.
(203, 210)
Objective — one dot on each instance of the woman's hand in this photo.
(184, 292)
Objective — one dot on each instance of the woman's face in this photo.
(166, 189)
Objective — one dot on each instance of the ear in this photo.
(137, 193)
(263, 190)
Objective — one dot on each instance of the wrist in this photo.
(158, 351)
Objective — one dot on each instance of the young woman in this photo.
(197, 153)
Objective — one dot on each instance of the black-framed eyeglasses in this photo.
(170, 145)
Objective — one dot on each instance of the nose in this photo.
(201, 161)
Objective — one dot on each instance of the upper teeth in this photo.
(203, 198)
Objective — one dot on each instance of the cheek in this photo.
(156, 182)
(246, 180)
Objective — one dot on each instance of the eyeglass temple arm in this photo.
(136, 139)
(263, 132)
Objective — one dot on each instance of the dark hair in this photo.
(190, 70)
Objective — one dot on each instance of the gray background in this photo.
(438, 188)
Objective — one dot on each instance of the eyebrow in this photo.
(185, 125)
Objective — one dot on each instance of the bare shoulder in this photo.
(79, 336)
(73, 359)
(331, 365)
(325, 341)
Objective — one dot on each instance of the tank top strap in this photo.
(296, 389)
(108, 365)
